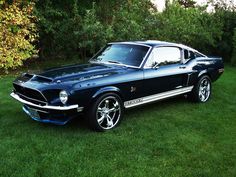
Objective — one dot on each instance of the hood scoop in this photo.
(39, 78)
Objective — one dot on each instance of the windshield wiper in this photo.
(116, 62)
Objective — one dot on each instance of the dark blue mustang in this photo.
(121, 75)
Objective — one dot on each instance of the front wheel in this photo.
(106, 112)
(202, 90)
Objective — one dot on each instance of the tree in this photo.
(18, 33)
(227, 15)
(190, 26)
(187, 3)
(233, 59)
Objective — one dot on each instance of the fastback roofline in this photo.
(156, 43)
(132, 43)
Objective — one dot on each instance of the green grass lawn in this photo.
(170, 138)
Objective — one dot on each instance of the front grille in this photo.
(30, 95)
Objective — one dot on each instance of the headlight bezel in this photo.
(63, 96)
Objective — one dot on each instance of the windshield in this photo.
(126, 54)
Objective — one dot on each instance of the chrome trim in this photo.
(180, 86)
(145, 57)
(32, 89)
(59, 108)
(38, 110)
(132, 43)
(188, 78)
(156, 97)
(31, 98)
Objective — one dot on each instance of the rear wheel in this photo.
(202, 90)
(106, 112)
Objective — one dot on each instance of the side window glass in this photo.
(198, 55)
(152, 59)
(192, 55)
(186, 54)
(189, 55)
(164, 56)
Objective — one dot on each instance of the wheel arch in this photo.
(108, 89)
(100, 95)
(203, 73)
(102, 91)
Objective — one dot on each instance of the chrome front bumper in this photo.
(56, 108)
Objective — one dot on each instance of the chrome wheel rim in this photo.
(204, 90)
(108, 112)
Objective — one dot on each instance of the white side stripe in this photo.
(159, 96)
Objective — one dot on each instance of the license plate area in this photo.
(33, 113)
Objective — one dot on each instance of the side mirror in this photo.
(155, 66)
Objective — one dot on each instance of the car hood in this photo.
(81, 72)
(58, 78)
(77, 76)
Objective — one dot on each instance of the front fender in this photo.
(105, 90)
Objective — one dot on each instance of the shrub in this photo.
(233, 59)
(18, 32)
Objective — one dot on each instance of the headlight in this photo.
(63, 96)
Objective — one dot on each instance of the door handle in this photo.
(182, 67)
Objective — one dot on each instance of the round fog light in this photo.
(63, 96)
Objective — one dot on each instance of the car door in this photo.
(164, 71)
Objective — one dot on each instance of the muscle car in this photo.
(120, 76)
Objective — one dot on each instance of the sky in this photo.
(161, 3)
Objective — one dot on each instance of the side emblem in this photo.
(132, 89)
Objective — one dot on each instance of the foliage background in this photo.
(70, 29)
(18, 32)
(233, 61)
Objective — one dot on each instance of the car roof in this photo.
(155, 43)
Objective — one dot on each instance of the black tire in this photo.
(100, 117)
(198, 92)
